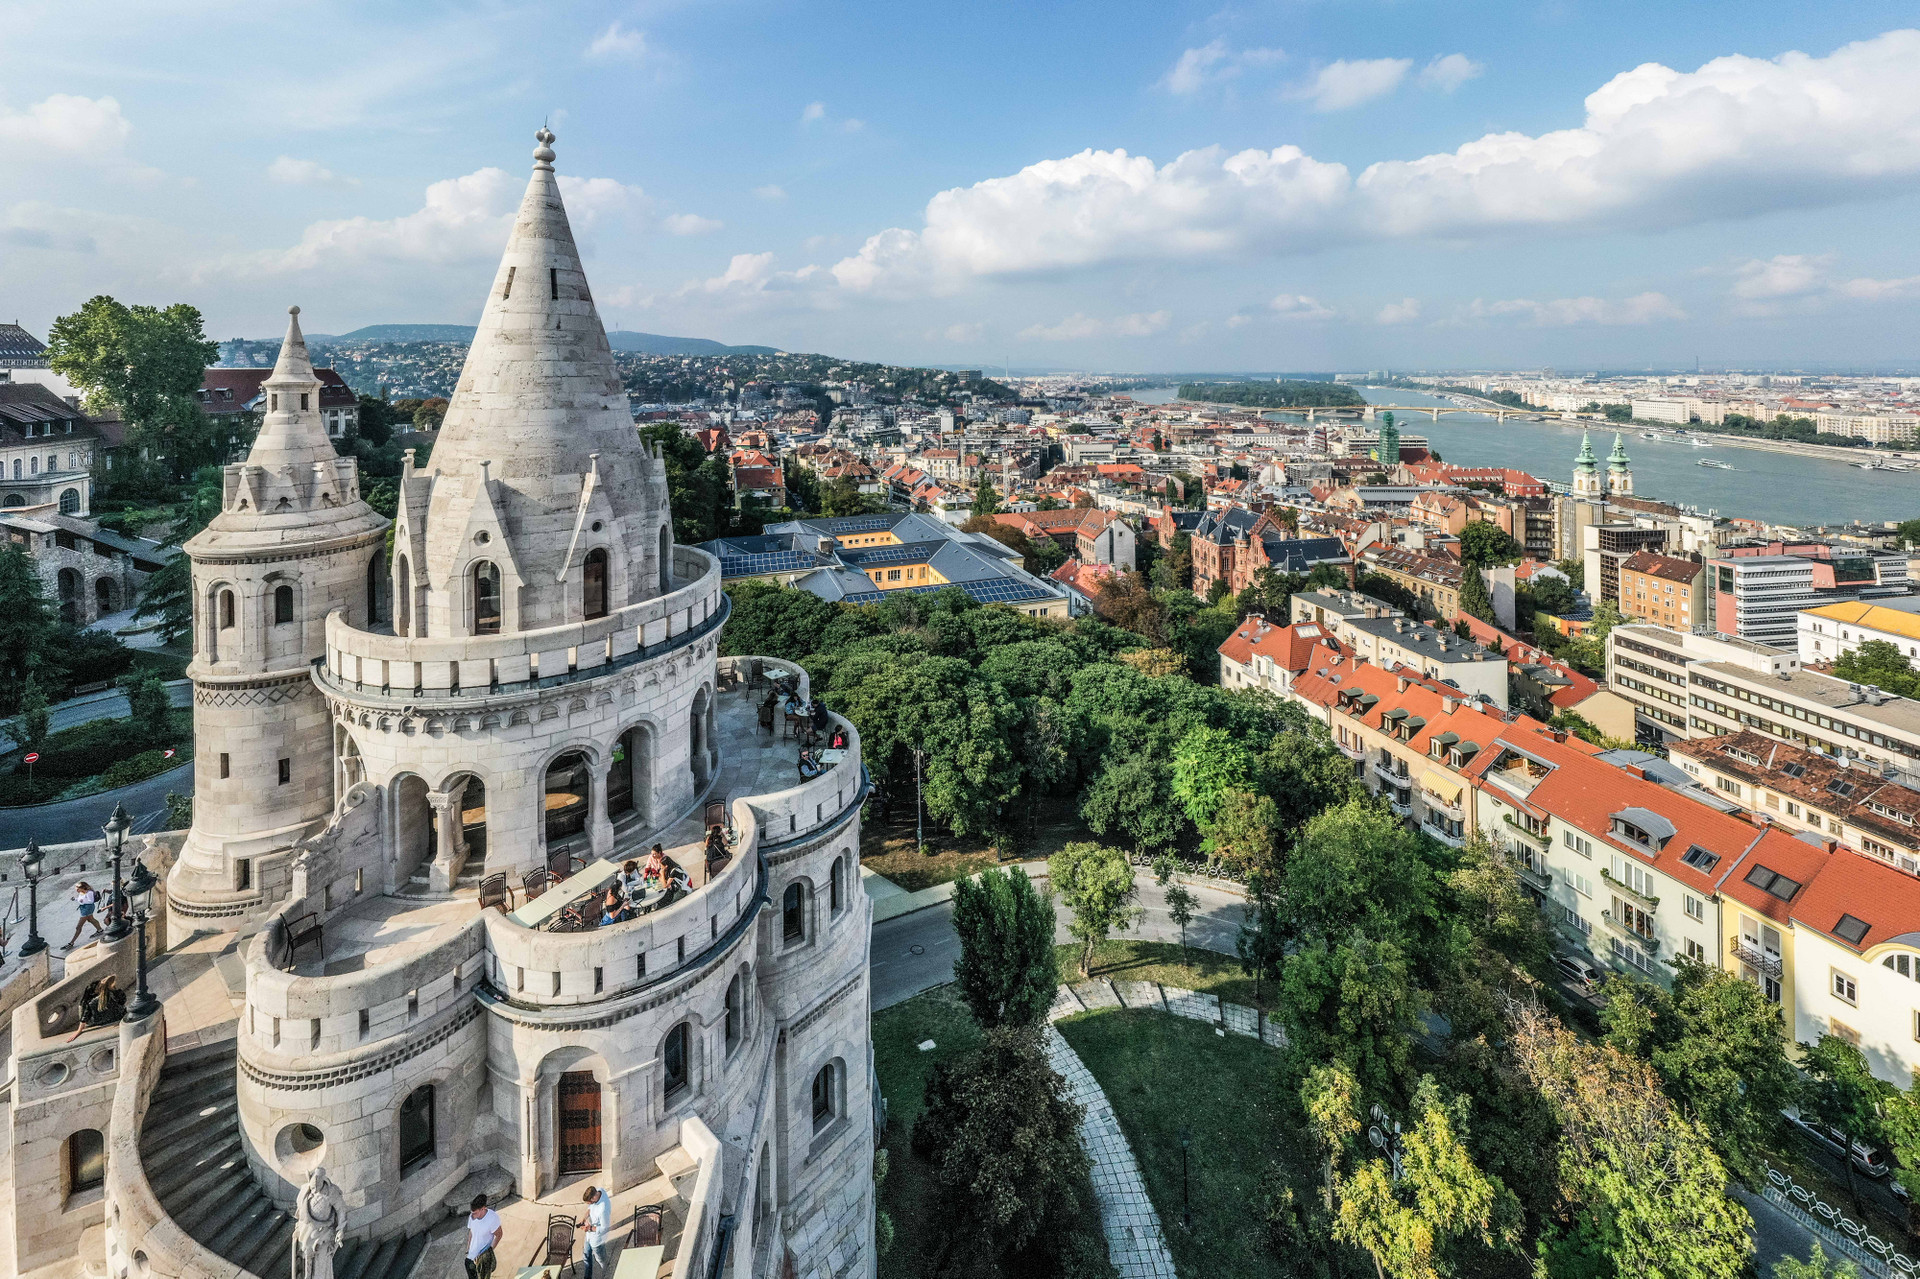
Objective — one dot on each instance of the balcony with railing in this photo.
(1539, 837)
(1647, 901)
(1647, 942)
(1754, 957)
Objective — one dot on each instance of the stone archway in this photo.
(413, 829)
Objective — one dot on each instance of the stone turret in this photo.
(293, 542)
(540, 505)
(1586, 471)
(1619, 472)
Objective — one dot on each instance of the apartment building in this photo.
(1875, 428)
(1268, 656)
(1434, 581)
(1379, 634)
(1830, 630)
(1647, 665)
(1759, 590)
(1606, 547)
(1802, 707)
(1664, 590)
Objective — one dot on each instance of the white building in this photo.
(1833, 629)
(1676, 411)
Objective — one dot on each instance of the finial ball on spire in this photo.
(544, 152)
(293, 310)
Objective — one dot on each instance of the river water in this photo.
(1780, 488)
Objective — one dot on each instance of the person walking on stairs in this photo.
(89, 901)
(483, 1232)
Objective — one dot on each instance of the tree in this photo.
(1483, 545)
(1720, 1049)
(803, 490)
(1097, 885)
(1406, 1225)
(843, 497)
(145, 363)
(376, 420)
(1006, 971)
(149, 711)
(1908, 531)
(168, 591)
(775, 621)
(986, 499)
(1003, 1137)
(30, 728)
(1647, 1194)
(1551, 594)
(1180, 908)
(26, 626)
(1155, 661)
(1048, 504)
(1842, 1093)
(1816, 1266)
(1474, 597)
(1881, 663)
(1269, 594)
(1244, 831)
(1207, 765)
(1133, 798)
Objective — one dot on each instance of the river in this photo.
(1780, 488)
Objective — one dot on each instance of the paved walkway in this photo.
(1136, 1244)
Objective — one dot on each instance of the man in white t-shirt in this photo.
(599, 1224)
(483, 1232)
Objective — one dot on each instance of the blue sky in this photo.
(1152, 186)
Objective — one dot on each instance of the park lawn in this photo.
(910, 1195)
(1161, 1073)
(887, 848)
(1123, 959)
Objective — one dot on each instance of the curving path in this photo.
(70, 821)
(1136, 1244)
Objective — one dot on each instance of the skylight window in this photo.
(1850, 930)
(1794, 770)
(1700, 859)
(1772, 881)
(1840, 787)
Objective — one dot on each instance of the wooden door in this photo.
(579, 1101)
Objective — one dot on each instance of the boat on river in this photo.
(1707, 461)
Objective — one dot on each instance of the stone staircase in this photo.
(190, 1146)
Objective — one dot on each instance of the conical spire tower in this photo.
(1619, 473)
(1586, 470)
(538, 450)
(292, 433)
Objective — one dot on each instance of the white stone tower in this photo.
(1586, 472)
(293, 542)
(1619, 472)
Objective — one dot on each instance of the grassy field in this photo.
(887, 848)
(1164, 1073)
(909, 1193)
(1124, 960)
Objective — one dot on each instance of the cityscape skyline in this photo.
(1263, 187)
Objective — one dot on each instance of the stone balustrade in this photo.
(412, 667)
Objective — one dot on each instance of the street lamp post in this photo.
(31, 863)
(1186, 1203)
(116, 832)
(140, 889)
(1386, 1137)
(919, 830)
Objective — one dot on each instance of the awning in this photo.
(1440, 784)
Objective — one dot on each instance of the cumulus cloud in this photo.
(1342, 84)
(1657, 148)
(1642, 308)
(618, 44)
(965, 332)
(63, 125)
(1405, 311)
(1869, 290)
(1783, 276)
(288, 171)
(813, 111)
(769, 192)
(1298, 306)
(690, 224)
(1450, 72)
(1806, 281)
(1080, 326)
(1194, 69)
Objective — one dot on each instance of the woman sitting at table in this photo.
(632, 886)
(810, 767)
(654, 873)
(613, 908)
(716, 841)
(838, 742)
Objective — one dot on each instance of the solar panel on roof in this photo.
(861, 524)
(777, 562)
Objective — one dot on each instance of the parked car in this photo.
(1583, 976)
(1868, 1159)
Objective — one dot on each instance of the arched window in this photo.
(486, 598)
(14, 499)
(593, 580)
(226, 610)
(621, 778)
(734, 996)
(675, 1057)
(282, 605)
(16, 468)
(666, 558)
(403, 593)
(86, 1161)
(793, 913)
(416, 1129)
(33, 466)
(833, 885)
(70, 502)
(823, 1097)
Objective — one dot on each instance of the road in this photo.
(912, 953)
(109, 704)
(71, 820)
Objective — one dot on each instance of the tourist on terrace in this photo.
(810, 767)
(613, 908)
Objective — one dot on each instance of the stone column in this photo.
(599, 825)
(449, 850)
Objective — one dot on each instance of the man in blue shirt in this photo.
(599, 1226)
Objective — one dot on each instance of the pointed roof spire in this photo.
(292, 432)
(1617, 460)
(1586, 460)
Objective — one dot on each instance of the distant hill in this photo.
(642, 343)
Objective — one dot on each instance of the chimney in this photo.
(1402, 681)
(1446, 705)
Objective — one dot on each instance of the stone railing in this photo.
(792, 814)
(740, 670)
(703, 1202)
(406, 667)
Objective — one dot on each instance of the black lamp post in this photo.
(1384, 1132)
(30, 864)
(140, 889)
(116, 832)
(1186, 1203)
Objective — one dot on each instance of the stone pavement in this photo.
(1135, 1242)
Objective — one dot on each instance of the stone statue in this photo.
(319, 1226)
(279, 945)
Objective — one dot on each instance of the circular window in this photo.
(482, 538)
(53, 1074)
(140, 1262)
(597, 526)
(101, 1063)
(299, 1147)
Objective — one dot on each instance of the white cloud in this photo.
(1805, 281)
(1341, 85)
(1782, 276)
(1298, 306)
(769, 192)
(1080, 326)
(1657, 148)
(690, 224)
(813, 111)
(1405, 311)
(288, 171)
(752, 276)
(1642, 308)
(1867, 290)
(618, 44)
(1450, 72)
(1211, 63)
(66, 126)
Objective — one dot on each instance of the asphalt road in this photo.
(108, 704)
(71, 820)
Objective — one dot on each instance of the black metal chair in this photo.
(557, 1248)
(648, 1226)
(496, 892)
(536, 882)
